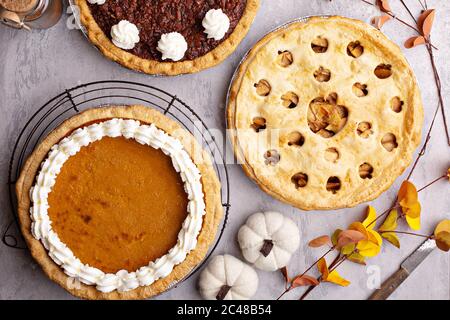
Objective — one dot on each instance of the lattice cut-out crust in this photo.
(387, 145)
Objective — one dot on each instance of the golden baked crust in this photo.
(211, 188)
(353, 149)
(212, 58)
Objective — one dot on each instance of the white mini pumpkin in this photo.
(268, 240)
(228, 278)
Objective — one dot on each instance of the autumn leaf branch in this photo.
(426, 32)
(361, 240)
(424, 25)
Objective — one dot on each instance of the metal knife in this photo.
(406, 268)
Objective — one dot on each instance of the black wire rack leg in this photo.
(11, 240)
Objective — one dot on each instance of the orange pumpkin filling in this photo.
(118, 204)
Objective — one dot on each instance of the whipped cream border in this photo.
(59, 252)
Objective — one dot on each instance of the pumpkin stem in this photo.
(267, 247)
(223, 292)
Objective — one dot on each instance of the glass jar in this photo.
(42, 15)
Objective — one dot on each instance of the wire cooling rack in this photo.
(107, 93)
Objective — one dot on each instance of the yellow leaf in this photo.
(390, 224)
(335, 236)
(375, 237)
(367, 248)
(356, 258)
(348, 249)
(392, 238)
(412, 211)
(332, 276)
(369, 222)
(407, 195)
(335, 278)
(414, 223)
(323, 268)
(444, 225)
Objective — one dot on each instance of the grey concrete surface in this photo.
(35, 66)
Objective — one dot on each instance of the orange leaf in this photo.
(407, 195)
(358, 226)
(379, 22)
(443, 240)
(319, 242)
(425, 22)
(284, 272)
(323, 268)
(414, 42)
(442, 235)
(384, 5)
(443, 225)
(304, 280)
(349, 236)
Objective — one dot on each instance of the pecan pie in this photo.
(155, 19)
(118, 203)
(325, 113)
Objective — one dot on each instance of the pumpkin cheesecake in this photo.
(118, 203)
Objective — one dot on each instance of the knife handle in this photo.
(389, 286)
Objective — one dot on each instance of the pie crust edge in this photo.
(415, 121)
(131, 61)
(211, 188)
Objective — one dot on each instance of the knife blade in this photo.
(420, 254)
(406, 268)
